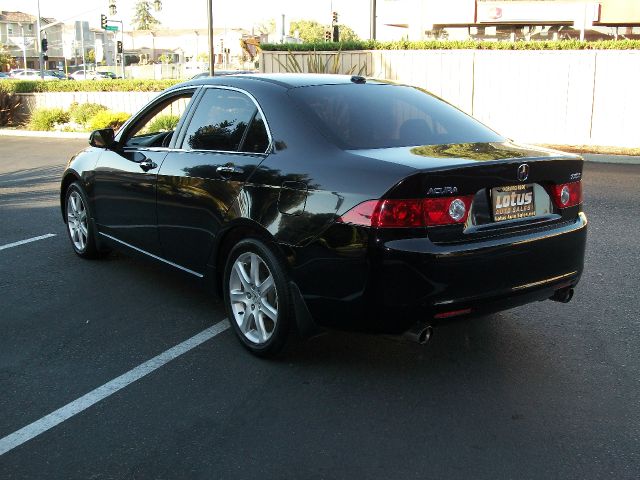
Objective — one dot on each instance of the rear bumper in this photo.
(400, 282)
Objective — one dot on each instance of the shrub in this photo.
(9, 105)
(108, 119)
(454, 45)
(164, 123)
(47, 118)
(128, 85)
(82, 113)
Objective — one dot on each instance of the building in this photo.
(507, 19)
(187, 46)
(18, 32)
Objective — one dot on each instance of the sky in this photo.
(192, 13)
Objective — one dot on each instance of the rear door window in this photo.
(221, 122)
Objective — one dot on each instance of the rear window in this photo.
(383, 116)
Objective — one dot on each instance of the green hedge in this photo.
(32, 86)
(455, 45)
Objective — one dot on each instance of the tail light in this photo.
(567, 194)
(417, 212)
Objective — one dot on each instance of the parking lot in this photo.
(542, 391)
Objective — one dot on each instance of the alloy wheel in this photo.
(253, 298)
(77, 221)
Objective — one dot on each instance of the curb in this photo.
(602, 158)
(39, 134)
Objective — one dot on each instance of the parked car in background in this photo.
(34, 75)
(331, 200)
(4, 76)
(107, 75)
(13, 72)
(220, 73)
(82, 75)
(59, 74)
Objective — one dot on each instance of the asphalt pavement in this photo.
(542, 391)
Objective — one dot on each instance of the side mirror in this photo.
(102, 138)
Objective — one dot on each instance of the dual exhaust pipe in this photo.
(564, 295)
(422, 332)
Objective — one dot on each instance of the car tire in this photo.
(257, 297)
(80, 228)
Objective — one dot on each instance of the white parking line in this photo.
(28, 240)
(69, 410)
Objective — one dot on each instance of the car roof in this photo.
(286, 80)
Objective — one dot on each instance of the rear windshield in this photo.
(382, 116)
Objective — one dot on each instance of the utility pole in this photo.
(39, 46)
(84, 61)
(24, 48)
(210, 34)
(372, 19)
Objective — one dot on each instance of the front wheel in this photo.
(257, 297)
(81, 231)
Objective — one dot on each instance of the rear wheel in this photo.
(81, 231)
(257, 297)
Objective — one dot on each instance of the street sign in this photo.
(112, 28)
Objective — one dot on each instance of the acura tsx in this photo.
(313, 201)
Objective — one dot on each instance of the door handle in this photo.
(147, 165)
(227, 170)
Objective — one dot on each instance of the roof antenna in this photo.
(358, 79)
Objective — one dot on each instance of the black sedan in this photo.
(313, 201)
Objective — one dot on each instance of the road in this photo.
(542, 391)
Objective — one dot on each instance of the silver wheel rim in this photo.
(253, 297)
(77, 221)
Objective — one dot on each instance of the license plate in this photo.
(513, 202)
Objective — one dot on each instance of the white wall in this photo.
(561, 97)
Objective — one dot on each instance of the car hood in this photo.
(427, 157)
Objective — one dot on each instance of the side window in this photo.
(220, 121)
(156, 128)
(257, 140)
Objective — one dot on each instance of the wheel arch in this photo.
(68, 178)
(234, 232)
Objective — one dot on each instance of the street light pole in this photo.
(210, 34)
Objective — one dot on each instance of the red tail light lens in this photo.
(395, 213)
(567, 194)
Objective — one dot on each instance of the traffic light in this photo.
(327, 36)
(334, 17)
(103, 22)
(119, 46)
(44, 44)
(45, 57)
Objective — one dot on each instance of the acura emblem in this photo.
(523, 172)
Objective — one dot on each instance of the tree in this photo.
(312, 31)
(266, 27)
(5, 57)
(308, 30)
(91, 56)
(143, 20)
(347, 34)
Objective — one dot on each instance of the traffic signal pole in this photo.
(39, 46)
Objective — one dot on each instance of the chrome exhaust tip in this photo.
(563, 295)
(420, 333)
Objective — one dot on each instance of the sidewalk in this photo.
(600, 158)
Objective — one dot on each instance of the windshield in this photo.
(382, 116)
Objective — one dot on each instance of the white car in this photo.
(80, 75)
(33, 75)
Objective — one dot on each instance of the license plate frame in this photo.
(513, 202)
